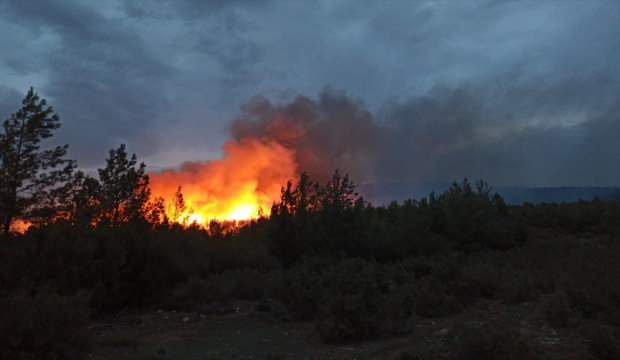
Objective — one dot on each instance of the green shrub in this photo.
(481, 279)
(399, 310)
(302, 288)
(352, 309)
(45, 327)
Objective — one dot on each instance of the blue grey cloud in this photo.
(514, 91)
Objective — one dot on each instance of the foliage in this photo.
(196, 293)
(124, 190)
(325, 255)
(434, 300)
(603, 344)
(557, 310)
(43, 327)
(31, 178)
(352, 309)
(591, 282)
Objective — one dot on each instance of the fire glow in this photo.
(241, 186)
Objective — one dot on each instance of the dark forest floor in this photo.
(248, 334)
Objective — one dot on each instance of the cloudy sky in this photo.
(517, 92)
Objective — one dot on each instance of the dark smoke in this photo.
(525, 134)
(331, 132)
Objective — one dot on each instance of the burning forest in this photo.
(243, 185)
(184, 240)
(271, 145)
(308, 180)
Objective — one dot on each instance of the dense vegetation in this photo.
(324, 255)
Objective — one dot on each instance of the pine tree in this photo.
(31, 178)
(124, 190)
(82, 199)
(179, 206)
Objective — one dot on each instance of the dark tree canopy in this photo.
(124, 188)
(32, 179)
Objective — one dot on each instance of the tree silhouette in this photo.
(82, 200)
(179, 206)
(124, 191)
(31, 179)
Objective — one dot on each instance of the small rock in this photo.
(186, 319)
(444, 331)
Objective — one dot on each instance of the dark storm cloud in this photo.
(102, 80)
(464, 132)
(517, 92)
(9, 101)
(188, 9)
(448, 133)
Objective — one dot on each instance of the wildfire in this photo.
(20, 226)
(241, 186)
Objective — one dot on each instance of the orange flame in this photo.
(241, 186)
(20, 226)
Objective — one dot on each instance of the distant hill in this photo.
(384, 193)
(519, 195)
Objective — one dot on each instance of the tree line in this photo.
(40, 185)
(100, 244)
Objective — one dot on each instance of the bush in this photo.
(519, 286)
(602, 343)
(592, 285)
(494, 342)
(301, 289)
(242, 284)
(434, 300)
(557, 311)
(399, 310)
(44, 327)
(189, 296)
(108, 297)
(481, 279)
(352, 309)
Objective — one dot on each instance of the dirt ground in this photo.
(247, 334)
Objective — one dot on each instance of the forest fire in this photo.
(20, 226)
(241, 186)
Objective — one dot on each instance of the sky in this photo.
(515, 92)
